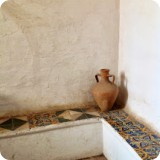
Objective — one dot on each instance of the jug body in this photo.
(105, 91)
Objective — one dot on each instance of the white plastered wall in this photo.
(139, 58)
(72, 142)
(50, 51)
(76, 56)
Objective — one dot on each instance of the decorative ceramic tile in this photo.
(18, 123)
(25, 126)
(92, 112)
(146, 144)
(3, 120)
(12, 124)
(70, 115)
(42, 119)
(3, 130)
(7, 124)
(155, 137)
(59, 112)
(61, 120)
(65, 115)
(77, 109)
(83, 116)
(142, 154)
(75, 115)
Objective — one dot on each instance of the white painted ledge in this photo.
(69, 141)
(115, 147)
(49, 127)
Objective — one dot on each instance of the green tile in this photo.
(59, 112)
(83, 116)
(17, 123)
(76, 109)
(12, 123)
(91, 116)
(7, 125)
(61, 120)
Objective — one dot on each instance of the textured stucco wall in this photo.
(50, 51)
(70, 142)
(139, 59)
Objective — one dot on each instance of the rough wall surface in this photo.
(139, 59)
(68, 143)
(50, 51)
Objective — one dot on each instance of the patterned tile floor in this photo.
(145, 142)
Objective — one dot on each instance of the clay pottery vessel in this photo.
(105, 91)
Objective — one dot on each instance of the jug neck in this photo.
(104, 74)
(105, 79)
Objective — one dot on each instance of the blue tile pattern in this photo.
(144, 141)
(42, 119)
(50, 118)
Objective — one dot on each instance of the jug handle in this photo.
(113, 78)
(96, 77)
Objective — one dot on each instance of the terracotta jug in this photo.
(105, 91)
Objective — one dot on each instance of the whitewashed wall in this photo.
(50, 51)
(139, 58)
(69, 143)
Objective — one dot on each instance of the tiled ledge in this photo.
(140, 138)
(48, 120)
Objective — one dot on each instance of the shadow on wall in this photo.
(123, 93)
